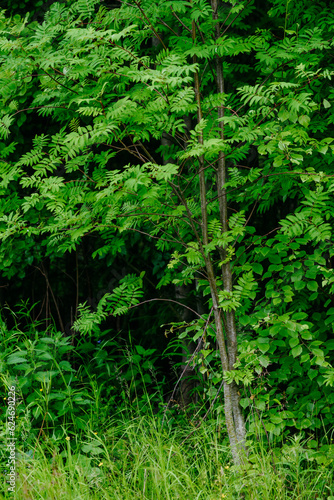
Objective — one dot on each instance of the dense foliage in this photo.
(185, 149)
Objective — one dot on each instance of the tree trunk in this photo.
(230, 325)
(227, 341)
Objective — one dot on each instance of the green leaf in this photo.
(45, 377)
(305, 423)
(15, 359)
(276, 419)
(312, 285)
(140, 349)
(293, 342)
(304, 120)
(312, 373)
(260, 404)
(257, 268)
(263, 344)
(94, 449)
(299, 315)
(270, 427)
(296, 351)
(244, 320)
(66, 366)
(264, 361)
(299, 285)
(306, 335)
(245, 402)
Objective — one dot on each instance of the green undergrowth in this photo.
(91, 422)
(136, 458)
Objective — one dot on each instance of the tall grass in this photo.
(136, 459)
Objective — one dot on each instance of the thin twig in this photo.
(39, 434)
(186, 366)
